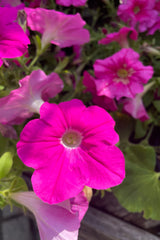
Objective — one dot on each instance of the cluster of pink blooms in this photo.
(142, 15)
(71, 146)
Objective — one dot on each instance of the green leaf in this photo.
(140, 191)
(5, 164)
(18, 185)
(156, 103)
(124, 125)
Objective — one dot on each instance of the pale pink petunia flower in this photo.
(13, 41)
(57, 28)
(71, 146)
(138, 13)
(67, 3)
(55, 222)
(121, 75)
(34, 89)
(102, 101)
(121, 37)
(135, 108)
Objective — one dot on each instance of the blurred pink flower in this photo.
(13, 41)
(34, 89)
(121, 75)
(71, 146)
(55, 222)
(68, 3)
(156, 26)
(135, 108)
(66, 31)
(121, 37)
(102, 101)
(8, 131)
(138, 13)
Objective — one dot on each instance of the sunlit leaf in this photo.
(140, 191)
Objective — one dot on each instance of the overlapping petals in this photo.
(66, 31)
(34, 89)
(55, 222)
(121, 75)
(13, 40)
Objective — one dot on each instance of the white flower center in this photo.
(71, 139)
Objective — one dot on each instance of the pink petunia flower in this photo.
(102, 101)
(135, 108)
(156, 26)
(13, 41)
(121, 75)
(55, 222)
(71, 146)
(34, 89)
(138, 13)
(120, 37)
(68, 3)
(66, 31)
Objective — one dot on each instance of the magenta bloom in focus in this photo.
(138, 13)
(66, 31)
(68, 3)
(121, 75)
(13, 40)
(55, 222)
(71, 146)
(34, 89)
(120, 37)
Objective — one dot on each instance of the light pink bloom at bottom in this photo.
(68, 3)
(55, 222)
(102, 101)
(136, 108)
(34, 89)
(71, 146)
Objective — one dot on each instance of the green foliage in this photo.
(5, 164)
(140, 191)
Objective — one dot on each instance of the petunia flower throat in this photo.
(71, 139)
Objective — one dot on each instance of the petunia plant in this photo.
(79, 108)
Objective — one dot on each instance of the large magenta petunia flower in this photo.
(121, 75)
(55, 222)
(57, 28)
(13, 40)
(71, 146)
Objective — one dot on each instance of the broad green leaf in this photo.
(140, 129)
(5, 164)
(18, 185)
(124, 125)
(156, 103)
(140, 191)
